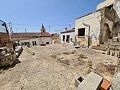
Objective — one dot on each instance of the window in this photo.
(25, 43)
(47, 42)
(110, 7)
(34, 43)
(81, 32)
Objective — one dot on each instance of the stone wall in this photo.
(104, 4)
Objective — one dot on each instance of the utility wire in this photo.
(40, 25)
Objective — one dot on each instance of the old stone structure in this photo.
(105, 4)
(100, 27)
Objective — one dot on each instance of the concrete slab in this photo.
(91, 82)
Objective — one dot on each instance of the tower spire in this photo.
(43, 28)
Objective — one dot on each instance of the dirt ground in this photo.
(53, 67)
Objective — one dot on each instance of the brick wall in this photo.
(4, 38)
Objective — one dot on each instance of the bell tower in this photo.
(43, 28)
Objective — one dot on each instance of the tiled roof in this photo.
(29, 35)
(45, 34)
(68, 31)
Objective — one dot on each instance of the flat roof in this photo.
(68, 31)
(88, 14)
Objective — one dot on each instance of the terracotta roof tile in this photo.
(24, 35)
(105, 85)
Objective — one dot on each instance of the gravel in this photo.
(43, 72)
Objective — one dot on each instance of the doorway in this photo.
(68, 38)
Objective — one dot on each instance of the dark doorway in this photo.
(68, 38)
(47, 42)
(81, 32)
(34, 43)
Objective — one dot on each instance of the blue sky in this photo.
(58, 14)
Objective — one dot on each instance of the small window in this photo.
(34, 43)
(81, 32)
(47, 42)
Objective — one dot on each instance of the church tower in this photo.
(43, 28)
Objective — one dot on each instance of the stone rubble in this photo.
(43, 72)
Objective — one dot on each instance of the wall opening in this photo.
(81, 32)
(25, 43)
(34, 43)
(47, 42)
(68, 38)
(110, 7)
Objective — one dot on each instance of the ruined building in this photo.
(101, 27)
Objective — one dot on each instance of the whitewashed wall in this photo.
(72, 35)
(40, 40)
(30, 41)
(43, 40)
(93, 20)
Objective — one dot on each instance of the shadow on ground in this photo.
(10, 66)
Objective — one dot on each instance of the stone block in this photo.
(91, 82)
(115, 39)
(78, 81)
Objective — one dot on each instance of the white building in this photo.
(87, 29)
(68, 36)
(32, 39)
(95, 28)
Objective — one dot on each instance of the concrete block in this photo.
(91, 82)
(115, 39)
(78, 81)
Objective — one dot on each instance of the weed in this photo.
(65, 62)
(66, 53)
(54, 56)
(82, 56)
(73, 52)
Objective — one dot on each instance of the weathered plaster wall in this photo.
(117, 17)
(43, 40)
(93, 20)
(40, 40)
(106, 25)
(29, 40)
(72, 35)
(104, 4)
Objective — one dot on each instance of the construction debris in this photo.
(91, 82)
